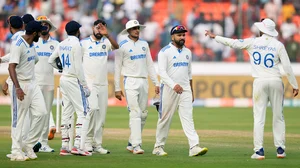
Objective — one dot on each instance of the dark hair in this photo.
(73, 33)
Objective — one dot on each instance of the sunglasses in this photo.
(136, 28)
(42, 18)
(177, 28)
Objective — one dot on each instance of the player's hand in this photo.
(210, 34)
(5, 88)
(86, 91)
(157, 90)
(102, 29)
(119, 95)
(178, 89)
(20, 93)
(295, 92)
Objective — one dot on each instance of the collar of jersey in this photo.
(265, 35)
(176, 47)
(73, 37)
(26, 44)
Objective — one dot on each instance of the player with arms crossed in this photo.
(266, 52)
(175, 71)
(73, 88)
(25, 94)
(95, 55)
(134, 61)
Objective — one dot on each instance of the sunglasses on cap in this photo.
(178, 29)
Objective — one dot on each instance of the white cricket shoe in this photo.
(64, 151)
(138, 150)
(129, 148)
(46, 148)
(280, 153)
(88, 147)
(196, 151)
(17, 157)
(259, 155)
(159, 151)
(30, 153)
(77, 151)
(101, 150)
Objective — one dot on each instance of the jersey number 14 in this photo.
(65, 60)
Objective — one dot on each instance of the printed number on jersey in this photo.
(267, 59)
(65, 60)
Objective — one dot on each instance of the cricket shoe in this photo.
(18, 157)
(259, 155)
(159, 151)
(77, 151)
(88, 147)
(37, 147)
(138, 150)
(129, 147)
(197, 151)
(30, 153)
(280, 153)
(10, 155)
(51, 133)
(46, 148)
(101, 150)
(64, 151)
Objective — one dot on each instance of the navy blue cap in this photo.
(99, 21)
(178, 29)
(72, 26)
(15, 22)
(34, 26)
(27, 18)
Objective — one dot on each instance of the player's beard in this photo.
(98, 36)
(44, 33)
(36, 38)
(180, 43)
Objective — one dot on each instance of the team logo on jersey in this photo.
(174, 57)
(37, 46)
(144, 48)
(28, 51)
(51, 47)
(90, 47)
(103, 46)
(130, 50)
(187, 57)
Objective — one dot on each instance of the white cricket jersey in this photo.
(174, 66)
(13, 39)
(95, 55)
(265, 54)
(133, 59)
(25, 56)
(70, 53)
(43, 70)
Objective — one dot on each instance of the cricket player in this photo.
(266, 52)
(74, 88)
(95, 55)
(133, 60)
(45, 77)
(25, 94)
(174, 68)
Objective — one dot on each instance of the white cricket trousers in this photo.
(73, 100)
(136, 91)
(265, 90)
(170, 101)
(98, 107)
(33, 104)
(48, 94)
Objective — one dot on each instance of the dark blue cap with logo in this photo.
(178, 29)
(34, 26)
(27, 18)
(72, 27)
(15, 22)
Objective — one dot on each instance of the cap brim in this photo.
(125, 30)
(262, 28)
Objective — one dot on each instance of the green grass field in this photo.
(226, 132)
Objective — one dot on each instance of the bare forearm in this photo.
(113, 42)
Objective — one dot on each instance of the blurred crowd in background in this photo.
(229, 18)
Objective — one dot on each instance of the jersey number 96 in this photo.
(268, 59)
